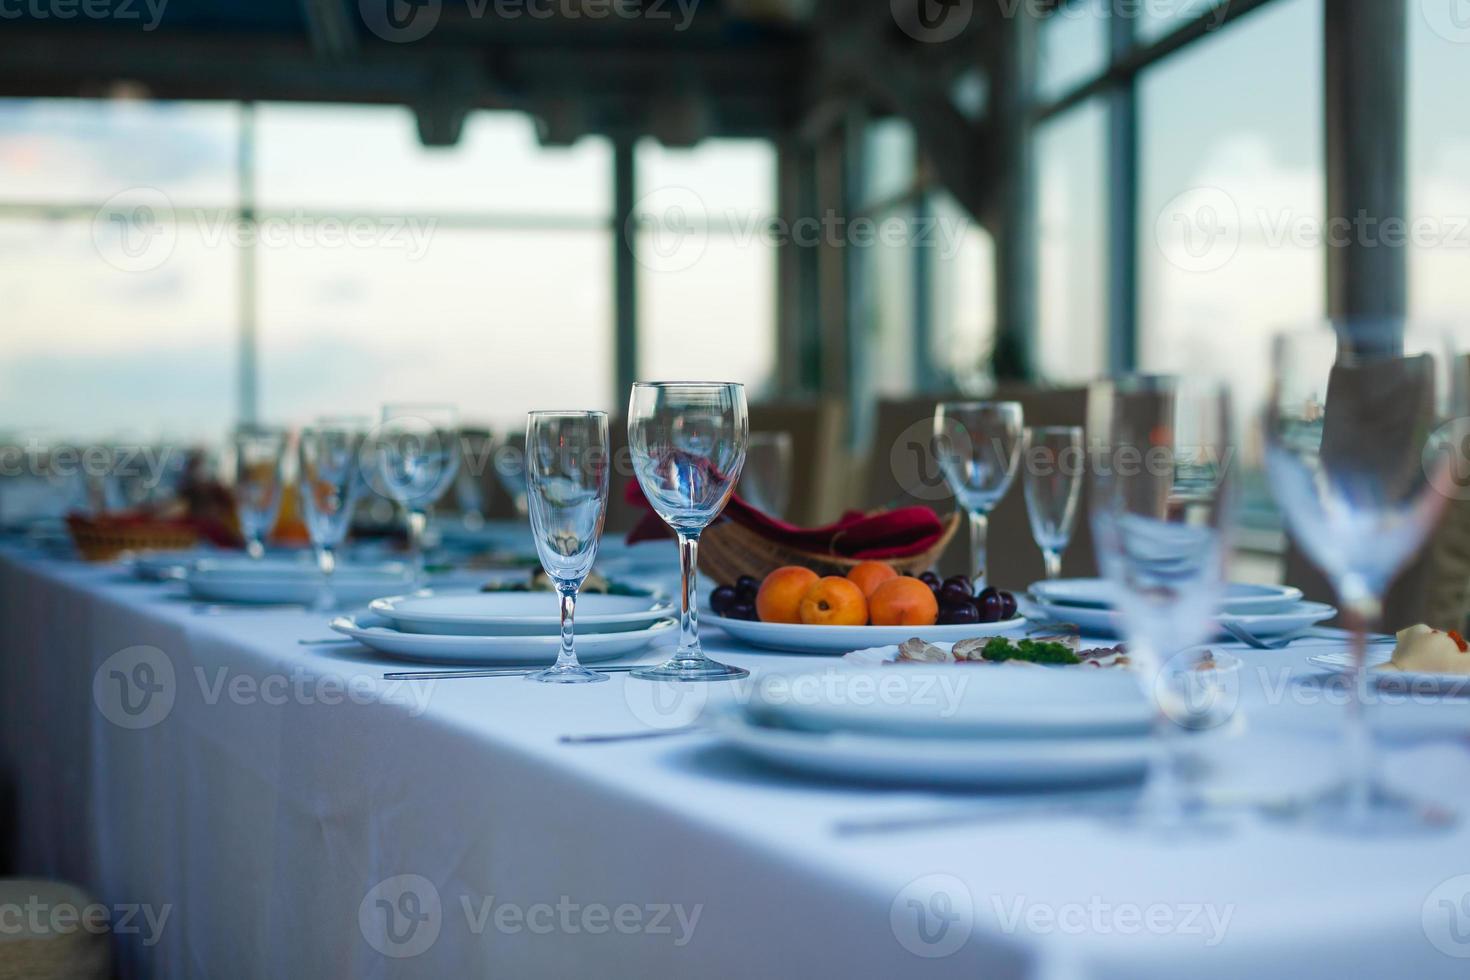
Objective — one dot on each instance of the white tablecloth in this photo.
(285, 791)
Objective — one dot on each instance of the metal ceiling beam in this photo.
(332, 30)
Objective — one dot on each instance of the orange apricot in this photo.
(834, 601)
(869, 575)
(779, 597)
(903, 602)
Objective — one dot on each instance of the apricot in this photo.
(903, 602)
(869, 575)
(779, 598)
(834, 601)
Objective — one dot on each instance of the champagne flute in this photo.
(687, 442)
(765, 481)
(566, 490)
(1052, 480)
(329, 480)
(978, 445)
(257, 461)
(1363, 424)
(1162, 514)
(416, 457)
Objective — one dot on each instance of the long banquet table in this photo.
(293, 814)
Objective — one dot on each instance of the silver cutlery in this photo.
(224, 608)
(627, 736)
(326, 641)
(431, 675)
(1282, 642)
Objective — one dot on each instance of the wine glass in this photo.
(765, 481)
(978, 445)
(1051, 476)
(469, 496)
(1162, 515)
(416, 452)
(1362, 426)
(257, 461)
(510, 469)
(687, 442)
(566, 489)
(327, 456)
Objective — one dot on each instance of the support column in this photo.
(248, 380)
(625, 272)
(1013, 213)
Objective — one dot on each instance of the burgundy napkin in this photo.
(897, 533)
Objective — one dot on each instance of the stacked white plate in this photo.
(971, 725)
(829, 640)
(1265, 611)
(288, 580)
(509, 628)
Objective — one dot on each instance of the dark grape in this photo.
(747, 586)
(953, 593)
(990, 606)
(721, 599)
(743, 610)
(931, 580)
(1008, 606)
(961, 582)
(964, 615)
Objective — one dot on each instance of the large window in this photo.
(1439, 160)
(1232, 196)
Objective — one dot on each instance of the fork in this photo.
(1280, 642)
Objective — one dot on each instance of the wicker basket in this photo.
(102, 539)
(728, 550)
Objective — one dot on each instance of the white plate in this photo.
(954, 701)
(953, 762)
(1241, 598)
(1107, 622)
(800, 638)
(467, 613)
(378, 634)
(288, 581)
(1408, 681)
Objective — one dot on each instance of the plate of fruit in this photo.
(795, 610)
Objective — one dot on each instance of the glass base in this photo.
(1376, 811)
(567, 675)
(690, 669)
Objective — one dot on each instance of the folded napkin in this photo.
(897, 533)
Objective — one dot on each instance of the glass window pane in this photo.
(706, 251)
(1160, 17)
(962, 294)
(369, 157)
(1232, 196)
(1439, 159)
(884, 291)
(1072, 341)
(495, 321)
(888, 161)
(101, 342)
(81, 151)
(1074, 46)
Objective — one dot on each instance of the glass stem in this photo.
(326, 561)
(689, 610)
(979, 525)
(417, 521)
(566, 659)
(1053, 563)
(1359, 615)
(253, 547)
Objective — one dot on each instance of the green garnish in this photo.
(1000, 649)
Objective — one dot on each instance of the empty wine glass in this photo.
(1051, 476)
(687, 442)
(416, 455)
(257, 461)
(765, 481)
(475, 447)
(1363, 426)
(978, 445)
(1162, 514)
(510, 469)
(566, 488)
(329, 478)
